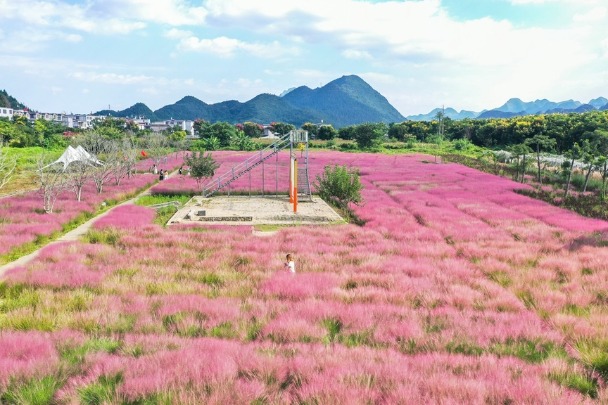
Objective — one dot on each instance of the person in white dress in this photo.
(290, 264)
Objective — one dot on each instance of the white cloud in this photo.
(228, 47)
(175, 33)
(356, 54)
(111, 78)
(583, 2)
(597, 14)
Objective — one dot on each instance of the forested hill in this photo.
(346, 101)
(8, 101)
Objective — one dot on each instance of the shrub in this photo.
(340, 186)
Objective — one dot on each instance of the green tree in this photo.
(312, 130)
(540, 143)
(200, 126)
(281, 128)
(240, 141)
(326, 132)
(202, 166)
(222, 131)
(177, 136)
(212, 143)
(339, 186)
(40, 128)
(370, 135)
(398, 131)
(7, 131)
(253, 130)
(347, 133)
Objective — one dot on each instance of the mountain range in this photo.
(346, 101)
(516, 107)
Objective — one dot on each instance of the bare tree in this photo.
(104, 150)
(7, 167)
(124, 164)
(52, 181)
(157, 147)
(78, 174)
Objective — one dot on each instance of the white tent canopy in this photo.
(78, 154)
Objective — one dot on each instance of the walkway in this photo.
(70, 236)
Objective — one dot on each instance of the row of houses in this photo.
(85, 121)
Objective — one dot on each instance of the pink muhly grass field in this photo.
(24, 355)
(428, 302)
(24, 220)
(127, 217)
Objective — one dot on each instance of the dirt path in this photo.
(70, 236)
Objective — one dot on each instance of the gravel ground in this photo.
(244, 210)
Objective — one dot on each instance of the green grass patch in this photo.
(76, 355)
(270, 227)
(594, 354)
(254, 329)
(103, 391)
(464, 347)
(210, 279)
(28, 320)
(363, 338)
(500, 277)
(106, 236)
(576, 310)
(527, 298)
(531, 351)
(17, 296)
(163, 215)
(38, 391)
(146, 200)
(576, 381)
(333, 327)
(224, 330)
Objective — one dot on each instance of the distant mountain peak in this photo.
(189, 99)
(348, 100)
(285, 92)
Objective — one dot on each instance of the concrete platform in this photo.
(255, 210)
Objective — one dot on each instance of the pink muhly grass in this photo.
(27, 221)
(126, 216)
(64, 265)
(286, 328)
(576, 327)
(26, 354)
(201, 362)
(215, 310)
(285, 285)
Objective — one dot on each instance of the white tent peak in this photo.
(78, 154)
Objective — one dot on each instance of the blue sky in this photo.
(83, 56)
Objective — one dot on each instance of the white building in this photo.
(82, 121)
(6, 112)
(184, 125)
(141, 122)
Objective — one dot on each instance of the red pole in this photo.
(295, 186)
(290, 179)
